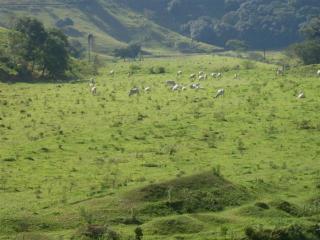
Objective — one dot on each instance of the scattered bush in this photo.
(248, 64)
(139, 233)
(134, 68)
(293, 232)
(157, 70)
(95, 231)
(262, 205)
(174, 225)
(305, 125)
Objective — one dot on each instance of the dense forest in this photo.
(260, 23)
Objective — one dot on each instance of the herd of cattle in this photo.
(174, 86)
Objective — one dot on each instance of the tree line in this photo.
(308, 50)
(34, 50)
(270, 24)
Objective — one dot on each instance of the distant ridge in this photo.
(112, 24)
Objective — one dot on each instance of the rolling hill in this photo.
(113, 24)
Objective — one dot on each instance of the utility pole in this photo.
(90, 45)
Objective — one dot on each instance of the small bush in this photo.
(174, 225)
(255, 56)
(305, 125)
(293, 232)
(94, 231)
(262, 205)
(157, 70)
(248, 64)
(288, 208)
(134, 68)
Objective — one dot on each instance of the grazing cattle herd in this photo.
(174, 86)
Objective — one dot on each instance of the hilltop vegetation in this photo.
(260, 23)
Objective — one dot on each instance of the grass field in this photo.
(182, 165)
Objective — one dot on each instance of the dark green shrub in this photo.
(262, 205)
(157, 70)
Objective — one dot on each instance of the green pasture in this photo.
(181, 165)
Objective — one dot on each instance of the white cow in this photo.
(112, 72)
(216, 75)
(301, 95)
(193, 76)
(176, 87)
(134, 91)
(179, 73)
(318, 73)
(220, 92)
(195, 86)
(94, 90)
(202, 77)
(280, 71)
(147, 89)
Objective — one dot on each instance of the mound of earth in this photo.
(196, 193)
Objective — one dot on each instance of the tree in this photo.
(134, 50)
(311, 30)
(201, 29)
(32, 35)
(55, 57)
(34, 48)
(131, 51)
(76, 49)
(308, 51)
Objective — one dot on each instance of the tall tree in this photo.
(55, 57)
(309, 50)
(311, 30)
(33, 36)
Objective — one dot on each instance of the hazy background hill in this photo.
(171, 24)
(261, 23)
(113, 24)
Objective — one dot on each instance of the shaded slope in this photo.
(112, 24)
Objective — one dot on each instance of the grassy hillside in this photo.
(182, 165)
(112, 24)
